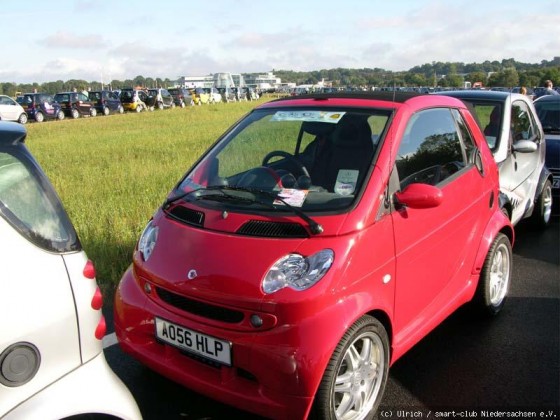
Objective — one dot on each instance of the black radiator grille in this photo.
(199, 308)
(273, 229)
(186, 215)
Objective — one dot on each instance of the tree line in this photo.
(507, 73)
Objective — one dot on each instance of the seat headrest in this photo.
(352, 133)
(318, 128)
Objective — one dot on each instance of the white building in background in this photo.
(264, 82)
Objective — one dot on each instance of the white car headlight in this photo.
(148, 240)
(297, 271)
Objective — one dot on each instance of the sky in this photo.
(104, 40)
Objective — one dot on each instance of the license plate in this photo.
(556, 183)
(193, 341)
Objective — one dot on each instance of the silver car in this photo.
(516, 138)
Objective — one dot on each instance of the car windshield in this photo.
(549, 115)
(314, 159)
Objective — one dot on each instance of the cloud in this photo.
(68, 40)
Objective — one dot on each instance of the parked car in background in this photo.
(10, 110)
(41, 106)
(200, 96)
(228, 94)
(106, 101)
(343, 229)
(548, 111)
(159, 98)
(134, 99)
(75, 104)
(215, 96)
(51, 355)
(516, 139)
(182, 97)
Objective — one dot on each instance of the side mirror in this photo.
(419, 196)
(524, 146)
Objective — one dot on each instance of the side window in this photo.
(522, 126)
(469, 147)
(430, 150)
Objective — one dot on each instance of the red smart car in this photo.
(311, 246)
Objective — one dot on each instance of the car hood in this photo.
(209, 264)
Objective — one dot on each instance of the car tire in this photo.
(39, 117)
(60, 115)
(92, 112)
(75, 113)
(120, 109)
(182, 104)
(495, 277)
(160, 106)
(363, 352)
(106, 110)
(543, 207)
(22, 118)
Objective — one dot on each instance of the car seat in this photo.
(350, 157)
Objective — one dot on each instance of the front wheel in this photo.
(60, 115)
(75, 113)
(93, 112)
(22, 118)
(543, 206)
(39, 117)
(106, 110)
(355, 378)
(493, 285)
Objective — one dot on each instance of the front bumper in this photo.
(274, 373)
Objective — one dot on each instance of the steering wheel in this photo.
(262, 178)
(300, 167)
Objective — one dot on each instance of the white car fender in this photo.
(91, 388)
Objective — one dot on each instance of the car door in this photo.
(519, 173)
(435, 247)
(83, 103)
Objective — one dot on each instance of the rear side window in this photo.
(430, 151)
(30, 205)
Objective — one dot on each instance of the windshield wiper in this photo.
(315, 227)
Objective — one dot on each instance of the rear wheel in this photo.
(75, 113)
(106, 110)
(493, 285)
(120, 109)
(93, 112)
(22, 118)
(355, 378)
(39, 117)
(60, 115)
(543, 206)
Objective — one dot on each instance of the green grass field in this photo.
(113, 172)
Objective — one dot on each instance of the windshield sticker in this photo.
(291, 196)
(346, 181)
(318, 116)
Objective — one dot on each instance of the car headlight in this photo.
(297, 271)
(148, 240)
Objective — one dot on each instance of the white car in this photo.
(52, 364)
(10, 110)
